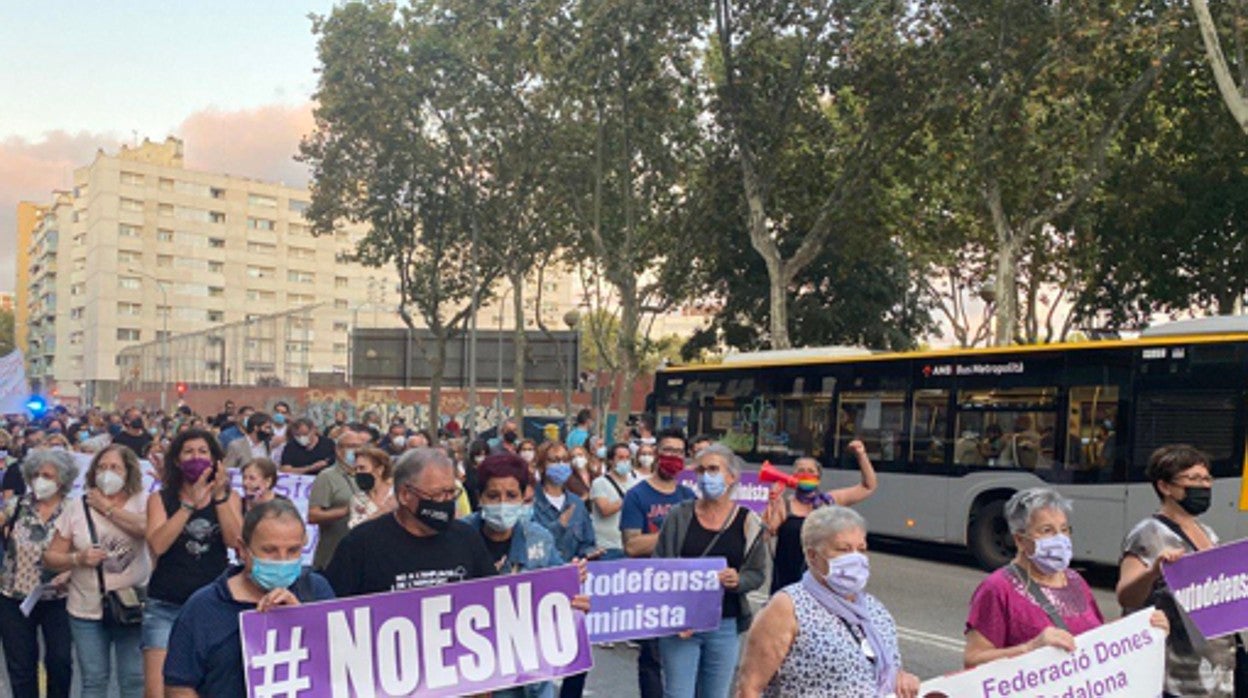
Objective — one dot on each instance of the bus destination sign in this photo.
(999, 369)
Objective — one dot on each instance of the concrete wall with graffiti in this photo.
(321, 404)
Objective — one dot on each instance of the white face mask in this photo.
(645, 461)
(527, 455)
(399, 441)
(43, 488)
(303, 440)
(109, 482)
(580, 462)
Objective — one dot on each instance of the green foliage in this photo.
(7, 336)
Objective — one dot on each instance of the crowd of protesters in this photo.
(145, 589)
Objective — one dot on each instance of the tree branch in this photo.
(1231, 94)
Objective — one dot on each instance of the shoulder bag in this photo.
(121, 607)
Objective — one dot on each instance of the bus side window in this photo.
(927, 427)
(875, 418)
(1092, 431)
(1006, 428)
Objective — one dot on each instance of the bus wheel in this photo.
(989, 536)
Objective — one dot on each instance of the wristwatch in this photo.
(190, 508)
(223, 500)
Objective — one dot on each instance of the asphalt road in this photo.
(926, 588)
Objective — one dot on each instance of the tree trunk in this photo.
(629, 323)
(1005, 287)
(761, 241)
(438, 375)
(1235, 100)
(521, 345)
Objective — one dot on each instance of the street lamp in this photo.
(164, 346)
(572, 319)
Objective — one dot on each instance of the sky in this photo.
(233, 79)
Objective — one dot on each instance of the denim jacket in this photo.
(577, 538)
(532, 546)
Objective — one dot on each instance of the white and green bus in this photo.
(954, 433)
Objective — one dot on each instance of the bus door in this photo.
(1089, 469)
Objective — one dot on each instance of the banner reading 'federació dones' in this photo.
(652, 597)
(456, 639)
(1123, 659)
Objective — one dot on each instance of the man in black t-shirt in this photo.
(307, 452)
(421, 544)
(133, 433)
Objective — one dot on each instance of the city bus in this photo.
(954, 433)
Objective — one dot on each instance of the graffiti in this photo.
(321, 406)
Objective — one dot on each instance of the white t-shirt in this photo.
(127, 564)
(607, 528)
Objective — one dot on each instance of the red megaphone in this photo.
(769, 473)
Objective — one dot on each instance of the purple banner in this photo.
(751, 493)
(450, 640)
(1212, 586)
(652, 597)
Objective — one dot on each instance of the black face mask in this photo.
(136, 423)
(435, 515)
(1196, 500)
(365, 481)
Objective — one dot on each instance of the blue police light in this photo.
(36, 405)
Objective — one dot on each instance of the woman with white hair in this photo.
(29, 523)
(713, 526)
(825, 635)
(1036, 600)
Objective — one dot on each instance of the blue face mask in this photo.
(275, 574)
(502, 517)
(623, 467)
(526, 513)
(601, 453)
(712, 484)
(279, 418)
(348, 457)
(558, 473)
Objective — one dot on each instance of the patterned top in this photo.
(827, 659)
(1004, 612)
(23, 557)
(1194, 666)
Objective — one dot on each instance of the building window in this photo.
(76, 313)
(298, 229)
(216, 316)
(300, 277)
(129, 283)
(340, 303)
(340, 347)
(300, 298)
(133, 179)
(261, 248)
(217, 243)
(255, 272)
(165, 209)
(261, 200)
(132, 205)
(297, 206)
(340, 282)
(302, 253)
(217, 193)
(164, 260)
(166, 184)
(129, 231)
(261, 223)
(216, 217)
(216, 291)
(340, 326)
(216, 267)
(164, 235)
(125, 308)
(123, 257)
(258, 295)
(128, 334)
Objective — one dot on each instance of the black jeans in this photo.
(650, 670)
(21, 647)
(573, 686)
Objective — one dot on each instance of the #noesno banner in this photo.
(1123, 659)
(450, 640)
(1212, 586)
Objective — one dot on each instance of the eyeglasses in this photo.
(443, 495)
(1199, 480)
(672, 451)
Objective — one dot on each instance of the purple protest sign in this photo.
(750, 493)
(652, 597)
(450, 640)
(1212, 586)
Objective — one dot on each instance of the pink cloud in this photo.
(259, 143)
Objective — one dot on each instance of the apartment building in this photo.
(144, 256)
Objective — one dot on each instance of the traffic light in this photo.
(181, 387)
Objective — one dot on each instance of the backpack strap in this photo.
(1033, 590)
(99, 569)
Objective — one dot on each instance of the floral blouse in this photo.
(23, 568)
